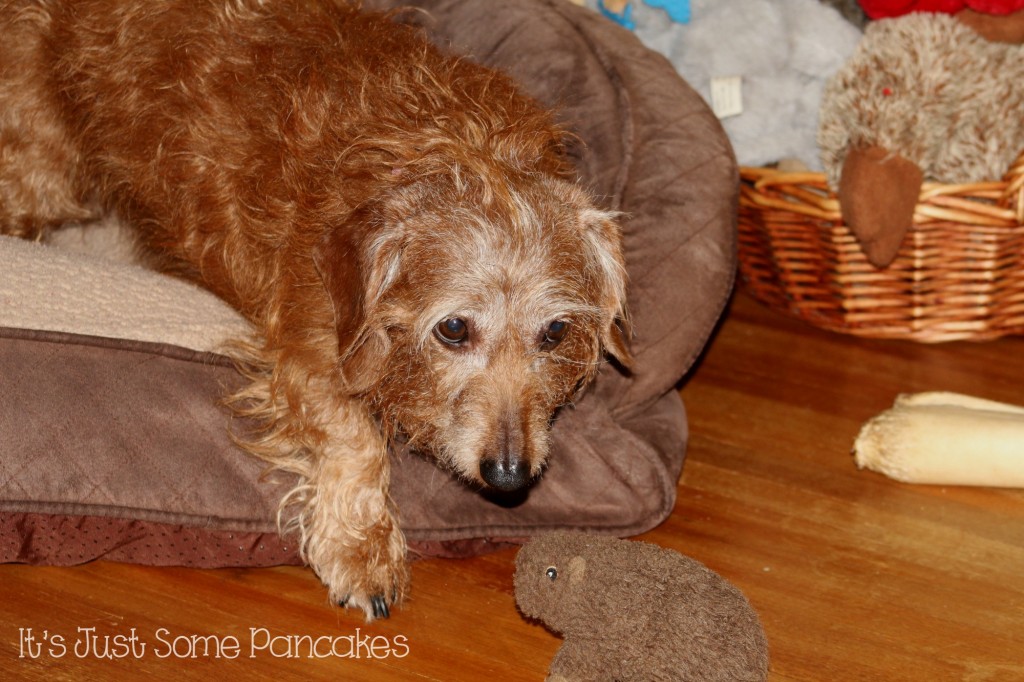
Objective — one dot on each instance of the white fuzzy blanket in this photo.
(67, 287)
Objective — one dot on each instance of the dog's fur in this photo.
(350, 190)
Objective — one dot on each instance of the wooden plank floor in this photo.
(856, 577)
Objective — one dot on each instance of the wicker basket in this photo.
(958, 275)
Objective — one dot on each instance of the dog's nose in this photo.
(508, 470)
(505, 473)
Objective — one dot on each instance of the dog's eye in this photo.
(554, 334)
(551, 573)
(452, 331)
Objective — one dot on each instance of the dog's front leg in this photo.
(351, 533)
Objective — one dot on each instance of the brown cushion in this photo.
(119, 449)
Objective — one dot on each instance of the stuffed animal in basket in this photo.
(926, 96)
(761, 64)
(998, 20)
(633, 611)
(881, 9)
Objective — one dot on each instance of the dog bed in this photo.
(113, 443)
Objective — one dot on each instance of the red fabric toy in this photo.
(879, 9)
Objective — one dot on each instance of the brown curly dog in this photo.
(399, 225)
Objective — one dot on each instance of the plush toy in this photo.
(998, 28)
(997, 20)
(924, 97)
(881, 9)
(767, 60)
(851, 11)
(635, 611)
(621, 11)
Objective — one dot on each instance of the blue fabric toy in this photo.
(625, 17)
(678, 10)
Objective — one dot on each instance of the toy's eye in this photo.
(554, 334)
(452, 331)
(551, 573)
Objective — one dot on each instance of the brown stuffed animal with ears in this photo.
(635, 611)
(924, 97)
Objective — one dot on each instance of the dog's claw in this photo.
(380, 606)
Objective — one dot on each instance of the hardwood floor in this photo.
(856, 577)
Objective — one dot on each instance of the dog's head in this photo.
(466, 316)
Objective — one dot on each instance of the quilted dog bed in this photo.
(113, 443)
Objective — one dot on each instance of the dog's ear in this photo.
(604, 241)
(356, 269)
(337, 258)
(615, 341)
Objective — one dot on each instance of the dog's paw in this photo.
(371, 576)
(374, 597)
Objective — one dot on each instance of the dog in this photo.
(400, 225)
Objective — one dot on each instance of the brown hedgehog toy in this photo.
(635, 611)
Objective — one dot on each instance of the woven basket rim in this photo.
(993, 203)
(959, 274)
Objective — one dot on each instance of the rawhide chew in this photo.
(945, 439)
